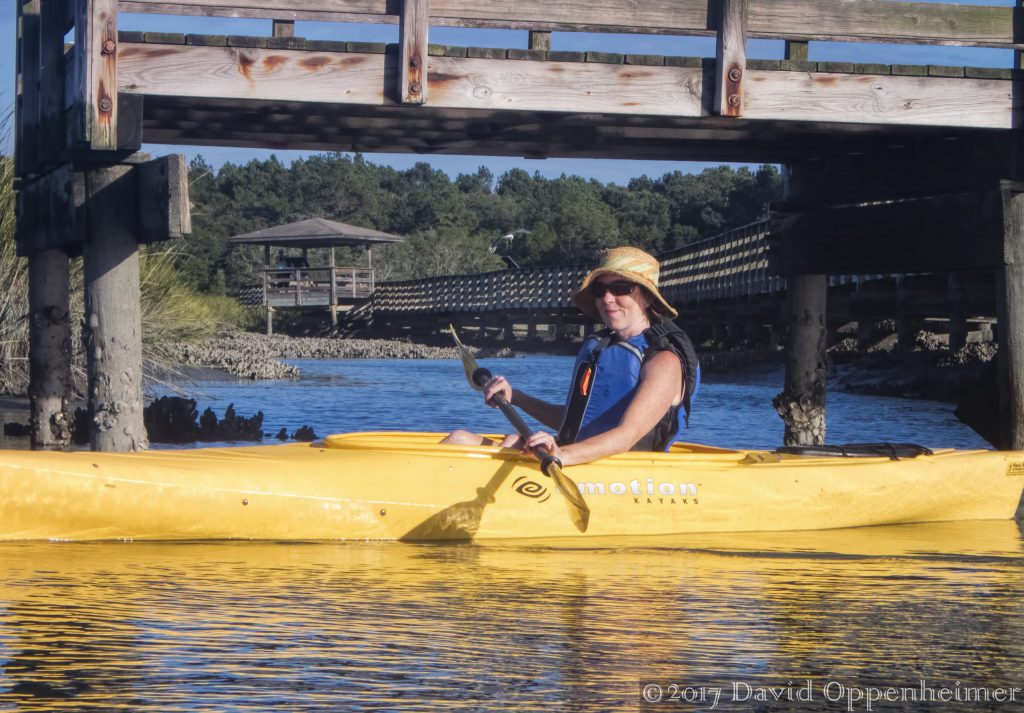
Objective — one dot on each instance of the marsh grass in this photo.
(14, 295)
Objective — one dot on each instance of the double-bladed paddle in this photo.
(549, 464)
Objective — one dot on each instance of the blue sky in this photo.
(603, 170)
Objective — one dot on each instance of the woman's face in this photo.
(625, 314)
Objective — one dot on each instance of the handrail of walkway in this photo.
(527, 288)
(869, 21)
(731, 265)
(735, 264)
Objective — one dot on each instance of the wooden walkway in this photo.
(732, 281)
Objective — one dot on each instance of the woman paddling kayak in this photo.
(632, 382)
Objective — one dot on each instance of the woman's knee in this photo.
(459, 437)
(512, 440)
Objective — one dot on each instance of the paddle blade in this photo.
(578, 510)
(468, 361)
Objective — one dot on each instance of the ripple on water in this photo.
(502, 626)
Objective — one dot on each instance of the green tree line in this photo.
(449, 224)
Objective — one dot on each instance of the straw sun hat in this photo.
(630, 264)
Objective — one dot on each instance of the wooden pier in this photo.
(889, 168)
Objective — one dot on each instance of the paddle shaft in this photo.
(481, 376)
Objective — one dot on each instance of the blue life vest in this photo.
(605, 379)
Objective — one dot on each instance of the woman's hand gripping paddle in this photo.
(551, 466)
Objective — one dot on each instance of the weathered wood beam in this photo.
(922, 168)
(46, 213)
(27, 103)
(731, 58)
(592, 88)
(540, 40)
(796, 51)
(413, 43)
(362, 79)
(927, 234)
(57, 19)
(1010, 313)
(164, 212)
(96, 58)
(881, 100)
(283, 28)
(844, 20)
(51, 213)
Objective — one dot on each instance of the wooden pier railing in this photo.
(528, 288)
(313, 286)
(735, 264)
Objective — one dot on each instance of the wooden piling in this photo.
(113, 322)
(49, 349)
(802, 401)
(1010, 313)
(334, 291)
(957, 329)
(906, 333)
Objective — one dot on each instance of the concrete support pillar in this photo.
(802, 401)
(270, 319)
(113, 321)
(49, 332)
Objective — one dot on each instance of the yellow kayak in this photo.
(407, 486)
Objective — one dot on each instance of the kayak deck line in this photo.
(408, 486)
(111, 480)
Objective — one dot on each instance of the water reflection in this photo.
(504, 626)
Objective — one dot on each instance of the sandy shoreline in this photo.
(249, 355)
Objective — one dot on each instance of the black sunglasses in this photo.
(619, 289)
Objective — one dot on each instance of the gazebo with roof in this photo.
(292, 283)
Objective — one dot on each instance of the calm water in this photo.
(427, 395)
(834, 617)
